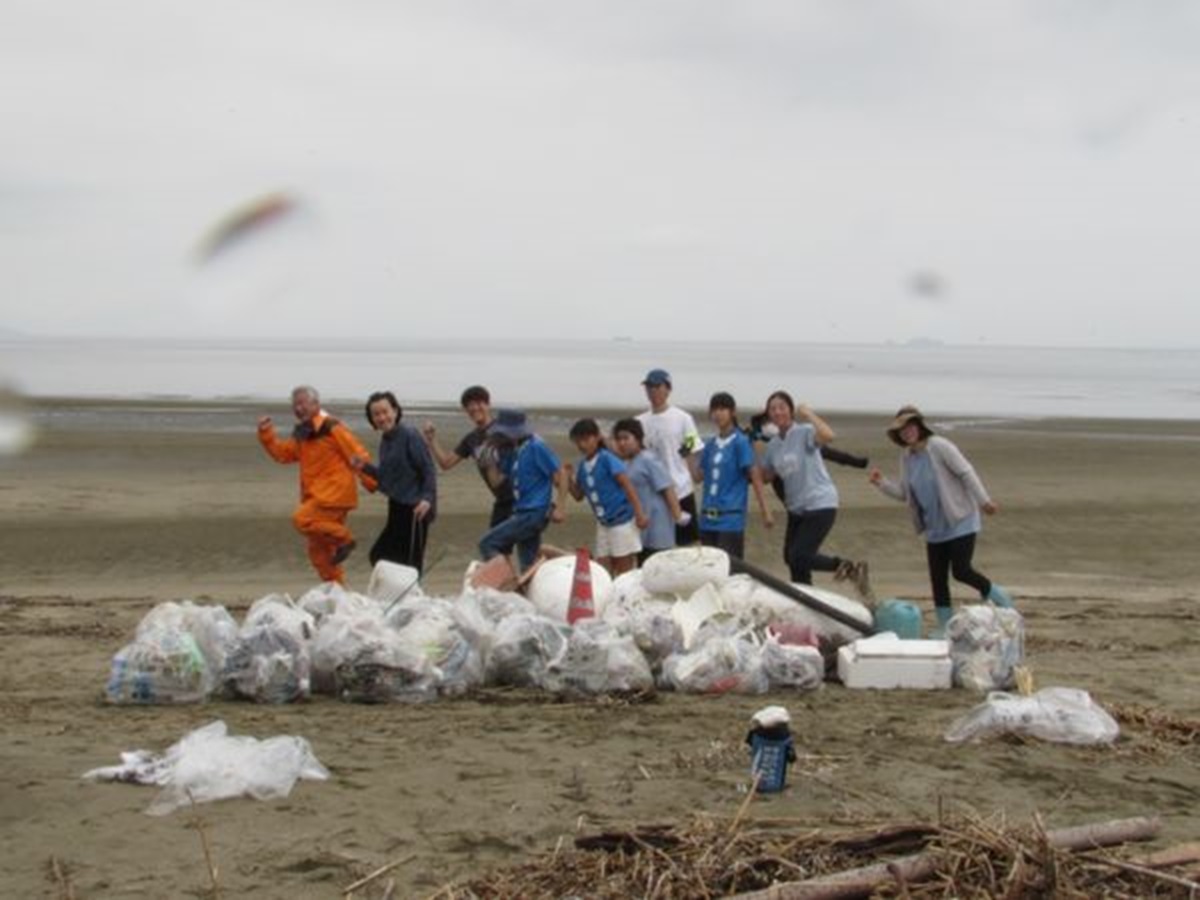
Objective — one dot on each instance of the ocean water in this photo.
(942, 380)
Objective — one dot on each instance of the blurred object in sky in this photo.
(928, 285)
(16, 429)
(253, 263)
(246, 222)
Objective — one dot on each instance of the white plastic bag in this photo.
(987, 643)
(212, 627)
(757, 605)
(691, 614)
(655, 632)
(270, 662)
(209, 764)
(523, 647)
(719, 665)
(432, 631)
(340, 637)
(597, 660)
(329, 597)
(164, 665)
(795, 666)
(684, 570)
(1058, 714)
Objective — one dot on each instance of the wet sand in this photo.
(119, 507)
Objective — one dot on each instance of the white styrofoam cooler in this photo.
(885, 661)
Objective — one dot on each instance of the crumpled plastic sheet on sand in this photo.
(211, 764)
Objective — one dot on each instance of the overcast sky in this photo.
(1001, 172)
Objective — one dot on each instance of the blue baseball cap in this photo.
(656, 377)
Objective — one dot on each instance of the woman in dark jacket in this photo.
(407, 477)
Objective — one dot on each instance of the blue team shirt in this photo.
(650, 479)
(597, 478)
(923, 485)
(725, 463)
(533, 465)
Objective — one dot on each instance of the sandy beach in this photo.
(121, 506)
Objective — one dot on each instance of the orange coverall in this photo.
(327, 488)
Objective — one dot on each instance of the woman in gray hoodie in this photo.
(945, 497)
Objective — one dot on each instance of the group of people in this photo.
(653, 483)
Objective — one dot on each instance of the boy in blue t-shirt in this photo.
(533, 471)
(727, 467)
(602, 479)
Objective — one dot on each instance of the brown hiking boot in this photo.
(862, 581)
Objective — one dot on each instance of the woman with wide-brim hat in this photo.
(945, 497)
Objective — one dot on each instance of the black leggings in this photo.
(954, 557)
(402, 539)
(805, 532)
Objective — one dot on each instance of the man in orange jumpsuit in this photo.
(325, 449)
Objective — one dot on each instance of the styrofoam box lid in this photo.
(888, 645)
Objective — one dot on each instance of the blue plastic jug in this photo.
(899, 616)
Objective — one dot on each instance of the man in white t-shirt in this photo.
(671, 435)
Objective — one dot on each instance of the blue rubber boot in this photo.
(1000, 597)
(944, 614)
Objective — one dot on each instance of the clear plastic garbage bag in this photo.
(210, 764)
(597, 660)
(523, 647)
(1059, 714)
(164, 665)
(213, 628)
(987, 644)
(796, 666)
(716, 666)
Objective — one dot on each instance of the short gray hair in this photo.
(308, 390)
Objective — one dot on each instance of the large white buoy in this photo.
(550, 588)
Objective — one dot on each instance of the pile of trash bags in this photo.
(682, 623)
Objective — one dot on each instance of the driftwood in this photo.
(378, 873)
(66, 890)
(214, 888)
(862, 881)
(1178, 855)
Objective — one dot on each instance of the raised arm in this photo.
(281, 451)
(445, 459)
(825, 434)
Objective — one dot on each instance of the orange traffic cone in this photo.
(581, 605)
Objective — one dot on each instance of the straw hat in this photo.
(907, 415)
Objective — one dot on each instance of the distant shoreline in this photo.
(556, 419)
